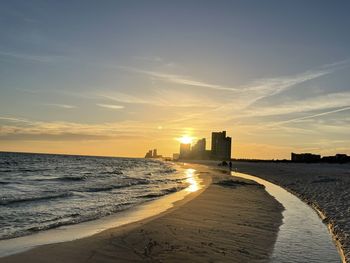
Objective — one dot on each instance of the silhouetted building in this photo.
(149, 154)
(153, 154)
(305, 157)
(198, 150)
(220, 146)
(221, 149)
(338, 158)
(199, 146)
(185, 150)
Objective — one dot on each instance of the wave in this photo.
(30, 170)
(167, 171)
(162, 193)
(112, 172)
(36, 198)
(87, 186)
(6, 170)
(70, 219)
(112, 187)
(55, 178)
(72, 178)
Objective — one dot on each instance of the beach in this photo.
(325, 187)
(229, 220)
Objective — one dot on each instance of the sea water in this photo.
(40, 191)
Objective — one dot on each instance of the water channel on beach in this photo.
(302, 237)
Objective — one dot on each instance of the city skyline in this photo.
(117, 78)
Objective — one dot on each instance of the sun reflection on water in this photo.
(193, 183)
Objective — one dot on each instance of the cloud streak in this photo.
(161, 98)
(62, 106)
(14, 119)
(178, 79)
(111, 106)
(30, 57)
(322, 102)
(313, 116)
(269, 87)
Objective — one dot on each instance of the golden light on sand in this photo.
(186, 139)
(193, 184)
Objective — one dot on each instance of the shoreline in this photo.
(193, 202)
(197, 184)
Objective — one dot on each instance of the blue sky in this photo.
(119, 77)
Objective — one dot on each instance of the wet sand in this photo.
(229, 221)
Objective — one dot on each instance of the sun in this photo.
(185, 139)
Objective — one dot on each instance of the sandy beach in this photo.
(323, 186)
(229, 221)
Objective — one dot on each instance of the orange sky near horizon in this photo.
(118, 78)
(139, 147)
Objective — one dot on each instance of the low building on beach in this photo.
(316, 158)
(305, 157)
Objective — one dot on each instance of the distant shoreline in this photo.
(68, 154)
(180, 160)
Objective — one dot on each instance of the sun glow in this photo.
(186, 139)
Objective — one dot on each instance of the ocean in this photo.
(44, 191)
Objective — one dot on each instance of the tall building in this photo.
(153, 154)
(149, 154)
(198, 150)
(199, 146)
(220, 146)
(185, 150)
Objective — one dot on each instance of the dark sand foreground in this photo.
(230, 221)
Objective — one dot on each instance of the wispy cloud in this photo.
(313, 116)
(20, 129)
(63, 106)
(316, 103)
(111, 106)
(31, 57)
(178, 79)
(149, 58)
(14, 119)
(161, 98)
(269, 87)
(123, 97)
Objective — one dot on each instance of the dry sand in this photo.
(230, 221)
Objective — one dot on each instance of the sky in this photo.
(118, 78)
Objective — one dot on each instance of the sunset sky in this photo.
(121, 77)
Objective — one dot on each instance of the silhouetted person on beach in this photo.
(230, 164)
